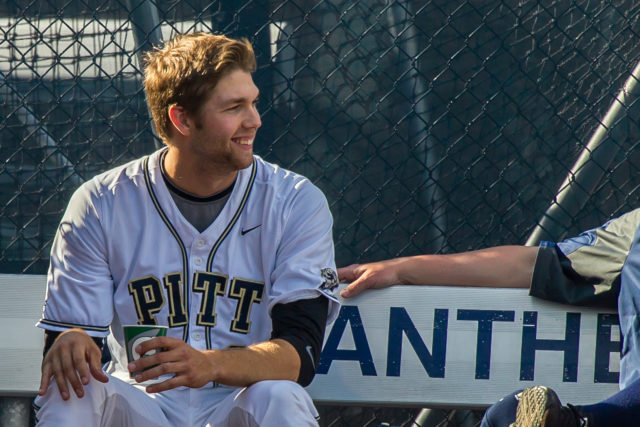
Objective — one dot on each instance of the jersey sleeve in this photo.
(586, 270)
(304, 263)
(79, 284)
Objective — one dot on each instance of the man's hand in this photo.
(375, 275)
(191, 367)
(70, 360)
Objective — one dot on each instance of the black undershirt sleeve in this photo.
(302, 323)
(50, 337)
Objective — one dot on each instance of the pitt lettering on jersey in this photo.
(149, 299)
(177, 313)
(211, 285)
(247, 293)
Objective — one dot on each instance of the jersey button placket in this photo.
(198, 251)
(197, 259)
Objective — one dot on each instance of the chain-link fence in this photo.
(431, 125)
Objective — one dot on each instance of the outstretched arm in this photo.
(500, 266)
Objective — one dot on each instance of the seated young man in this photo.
(233, 254)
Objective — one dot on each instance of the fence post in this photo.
(147, 33)
(590, 167)
(413, 86)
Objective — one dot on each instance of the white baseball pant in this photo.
(117, 403)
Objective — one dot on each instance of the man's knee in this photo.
(278, 392)
(91, 390)
(52, 409)
(114, 403)
(503, 412)
(279, 403)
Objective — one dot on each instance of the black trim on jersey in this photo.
(302, 324)
(194, 198)
(225, 233)
(74, 325)
(185, 263)
(233, 221)
(35, 408)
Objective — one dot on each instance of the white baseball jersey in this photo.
(124, 254)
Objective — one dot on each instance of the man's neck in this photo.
(195, 176)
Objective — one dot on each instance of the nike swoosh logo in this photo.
(243, 232)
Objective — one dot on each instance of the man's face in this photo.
(227, 123)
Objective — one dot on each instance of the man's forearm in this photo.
(269, 360)
(501, 266)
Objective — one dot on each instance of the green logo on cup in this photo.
(134, 335)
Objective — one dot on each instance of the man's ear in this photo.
(180, 119)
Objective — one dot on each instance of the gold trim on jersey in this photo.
(226, 231)
(185, 263)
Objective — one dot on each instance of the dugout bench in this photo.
(431, 346)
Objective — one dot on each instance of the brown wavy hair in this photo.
(186, 69)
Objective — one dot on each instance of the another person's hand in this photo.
(70, 360)
(190, 367)
(374, 275)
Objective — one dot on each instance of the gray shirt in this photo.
(199, 211)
